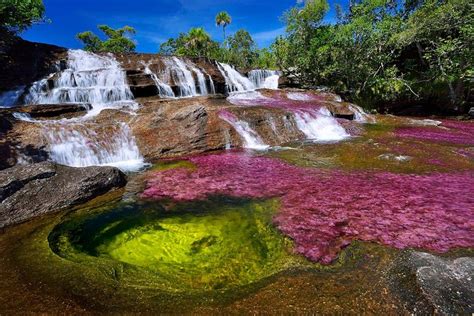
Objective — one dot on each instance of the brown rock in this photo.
(50, 110)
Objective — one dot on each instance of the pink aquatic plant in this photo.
(456, 132)
(306, 102)
(323, 211)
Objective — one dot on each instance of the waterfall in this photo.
(79, 145)
(201, 80)
(234, 80)
(182, 74)
(10, 98)
(211, 83)
(360, 115)
(320, 126)
(89, 78)
(182, 77)
(264, 79)
(251, 139)
(101, 82)
(164, 90)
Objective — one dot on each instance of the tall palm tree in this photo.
(223, 19)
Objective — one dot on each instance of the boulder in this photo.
(32, 190)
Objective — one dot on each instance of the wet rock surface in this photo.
(433, 285)
(49, 110)
(32, 190)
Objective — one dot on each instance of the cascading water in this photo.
(234, 80)
(182, 74)
(264, 79)
(320, 126)
(251, 139)
(360, 115)
(100, 81)
(164, 90)
(89, 78)
(79, 145)
(211, 83)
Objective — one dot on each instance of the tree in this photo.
(196, 43)
(18, 15)
(117, 40)
(223, 19)
(383, 51)
(242, 49)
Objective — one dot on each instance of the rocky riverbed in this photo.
(161, 192)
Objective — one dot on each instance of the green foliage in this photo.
(382, 50)
(242, 50)
(18, 15)
(196, 43)
(239, 49)
(117, 40)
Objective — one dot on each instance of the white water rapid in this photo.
(164, 90)
(190, 80)
(82, 145)
(264, 79)
(320, 126)
(250, 138)
(100, 81)
(234, 80)
(89, 78)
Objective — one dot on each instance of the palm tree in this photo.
(198, 40)
(223, 19)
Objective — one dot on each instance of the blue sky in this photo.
(158, 20)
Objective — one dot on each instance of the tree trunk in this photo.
(420, 53)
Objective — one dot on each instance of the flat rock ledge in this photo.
(29, 191)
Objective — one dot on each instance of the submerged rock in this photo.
(32, 190)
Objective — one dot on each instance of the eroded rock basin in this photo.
(211, 245)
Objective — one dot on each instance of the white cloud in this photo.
(268, 35)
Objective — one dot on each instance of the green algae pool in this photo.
(211, 245)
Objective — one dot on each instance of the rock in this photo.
(471, 113)
(141, 84)
(394, 157)
(50, 110)
(286, 82)
(340, 110)
(24, 62)
(434, 285)
(32, 190)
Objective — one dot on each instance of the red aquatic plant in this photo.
(456, 132)
(323, 211)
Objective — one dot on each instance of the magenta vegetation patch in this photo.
(457, 132)
(324, 211)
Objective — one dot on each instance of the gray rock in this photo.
(471, 112)
(32, 190)
(434, 285)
